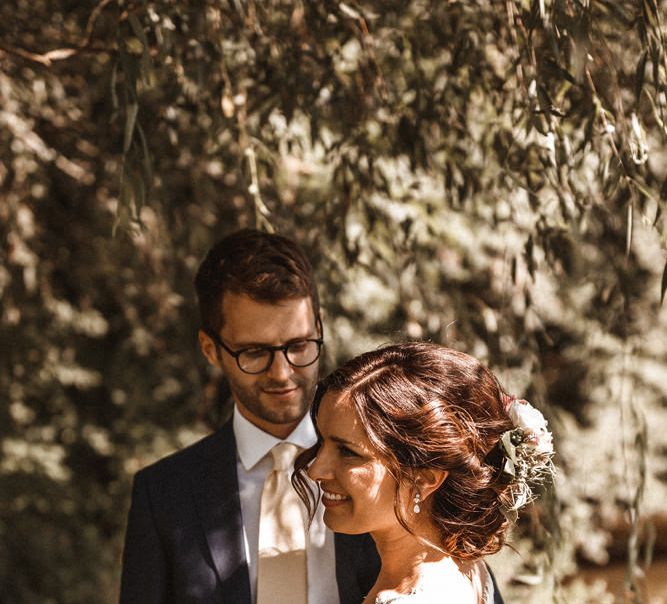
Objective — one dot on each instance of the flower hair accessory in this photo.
(527, 451)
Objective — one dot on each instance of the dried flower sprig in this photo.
(528, 451)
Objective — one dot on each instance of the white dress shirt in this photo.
(254, 463)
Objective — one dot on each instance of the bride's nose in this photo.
(320, 468)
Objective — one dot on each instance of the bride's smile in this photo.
(358, 491)
(414, 442)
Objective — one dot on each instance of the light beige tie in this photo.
(281, 565)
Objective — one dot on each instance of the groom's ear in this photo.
(208, 348)
(430, 480)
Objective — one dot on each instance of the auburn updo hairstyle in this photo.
(422, 406)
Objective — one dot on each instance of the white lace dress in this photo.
(422, 595)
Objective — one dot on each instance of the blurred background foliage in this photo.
(483, 173)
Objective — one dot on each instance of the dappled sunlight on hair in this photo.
(424, 406)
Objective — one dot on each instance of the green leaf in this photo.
(130, 122)
(544, 100)
(137, 29)
(146, 159)
(511, 515)
(639, 77)
(658, 214)
(145, 64)
(557, 70)
(508, 468)
(630, 224)
(114, 82)
(137, 195)
(651, 12)
(528, 255)
(123, 212)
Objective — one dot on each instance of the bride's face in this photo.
(357, 489)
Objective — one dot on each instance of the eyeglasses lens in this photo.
(299, 354)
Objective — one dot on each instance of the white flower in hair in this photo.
(525, 416)
(533, 424)
(528, 449)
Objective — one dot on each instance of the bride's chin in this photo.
(332, 523)
(338, 526)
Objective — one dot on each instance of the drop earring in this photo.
(417, 500)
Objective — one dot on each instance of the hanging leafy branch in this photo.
(486, 174)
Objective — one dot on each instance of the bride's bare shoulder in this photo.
(449, 583)
(459, 588)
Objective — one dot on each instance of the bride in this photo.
(419, 446)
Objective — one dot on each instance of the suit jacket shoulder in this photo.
(184, 540)
(220, 445)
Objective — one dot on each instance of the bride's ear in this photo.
(430, 480)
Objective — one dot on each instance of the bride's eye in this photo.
(347, 452)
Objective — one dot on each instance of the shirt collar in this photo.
(253, 444)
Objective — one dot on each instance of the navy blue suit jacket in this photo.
(184, 539)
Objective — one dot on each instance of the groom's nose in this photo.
(280, 370)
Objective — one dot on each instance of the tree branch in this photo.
(60, 54)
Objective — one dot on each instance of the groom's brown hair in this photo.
(263, 266)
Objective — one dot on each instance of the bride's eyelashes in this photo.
(347, 452)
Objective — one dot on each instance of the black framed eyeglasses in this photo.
(257, 359)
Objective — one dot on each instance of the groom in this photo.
(200, 528)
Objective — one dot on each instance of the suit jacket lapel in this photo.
(216, 493)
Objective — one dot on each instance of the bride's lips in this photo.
(331, 499)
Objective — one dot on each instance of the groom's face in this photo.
(276, 399)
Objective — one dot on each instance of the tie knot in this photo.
(283, 456)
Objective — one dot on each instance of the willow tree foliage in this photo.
(490, 174)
